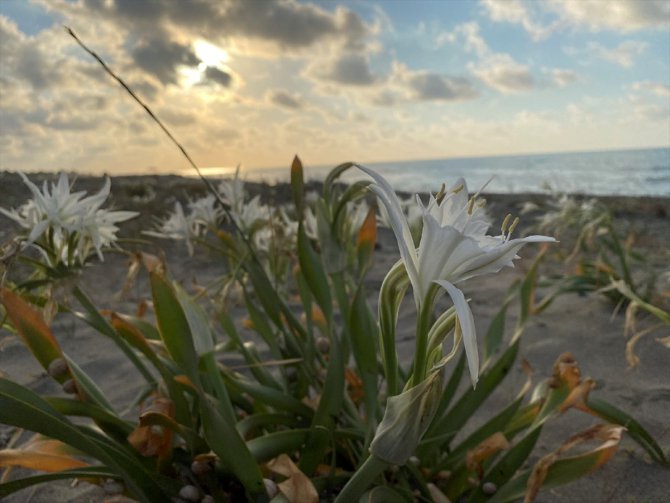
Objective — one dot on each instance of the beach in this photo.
(585, 325)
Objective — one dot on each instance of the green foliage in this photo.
(316, 384)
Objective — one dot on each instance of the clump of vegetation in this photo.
(324, 410)
(332, 414)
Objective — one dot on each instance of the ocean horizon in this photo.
(639, 172)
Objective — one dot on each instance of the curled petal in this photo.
(398, 222)
(467, 323)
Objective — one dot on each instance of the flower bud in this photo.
(57, 368)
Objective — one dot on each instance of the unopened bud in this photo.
(70, 387)
(323, 345)
(57, 368)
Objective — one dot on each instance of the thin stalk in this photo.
(422, 330)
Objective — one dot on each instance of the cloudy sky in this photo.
(254, 82)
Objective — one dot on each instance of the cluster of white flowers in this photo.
(66, 225)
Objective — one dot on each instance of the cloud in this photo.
(541, 19)
(617, 15)
(161, 57)
(218, 76)
(560, 77)
(502, 73)
(518, 12)
(284, 99)
(428, 86)
(470, 35)
(657, 88)
(287, 25)
(623, 55)
(346, 69)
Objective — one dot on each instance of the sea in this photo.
(643, 172)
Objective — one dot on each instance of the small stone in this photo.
(270, 487)
(199, 467)
(489, 488)
(57, 368)
(323, 345)
(189, 493)
(112, 487)
(207, 498)
(414, 461)
(70, 387)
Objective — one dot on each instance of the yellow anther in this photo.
(503, 227)
(481, 202)
(513, 226)
(458, 189)
(471, 205)
(440, 195)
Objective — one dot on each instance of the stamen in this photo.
(471, 205)
(440, 195)
(513, 226)
(503, 227)
(458, 189)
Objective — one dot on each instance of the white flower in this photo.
(232, 192)
(205, 212)
(453, 247)
(69, 214)
(251, 214)
(177, 226)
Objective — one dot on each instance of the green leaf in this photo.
(273, 444)
(87, 387)
(311, 268)
(101, 472)
(22, 408)
(634, 429)
(472, 399)
(224, 440)
(364, 335)
(173, 326)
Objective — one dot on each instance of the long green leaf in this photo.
(22, 408)
(101, 472)
(173, 326)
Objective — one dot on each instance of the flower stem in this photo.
(362, 479)
(422, 330)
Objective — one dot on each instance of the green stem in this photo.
(362, 479)
(422, 329)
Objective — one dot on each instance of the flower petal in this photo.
(467, 323)
(398, 222)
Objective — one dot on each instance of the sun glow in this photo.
(210, 54)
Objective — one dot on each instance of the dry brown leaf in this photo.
(578, 395)
(154, 440)
(486, 448)
(297, 487)
(566, 372)
(609, 434)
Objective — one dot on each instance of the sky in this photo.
(256, 82)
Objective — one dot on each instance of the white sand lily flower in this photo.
(177, 226)
(205, 212)
(54, 208)
(453, 248)
(67, 214)
(251, 214)
(232, 192)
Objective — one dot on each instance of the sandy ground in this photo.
(583, 325)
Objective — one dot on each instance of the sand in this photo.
(582, 325)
